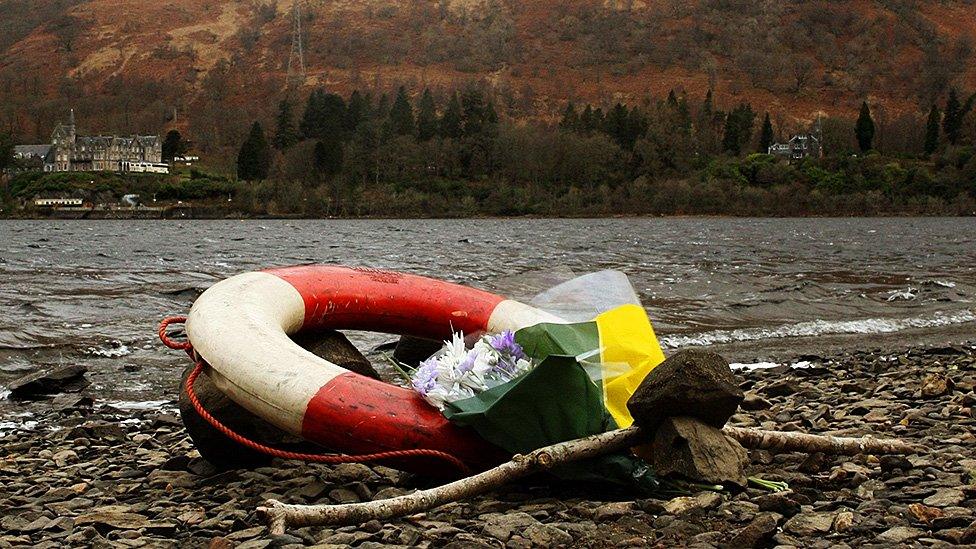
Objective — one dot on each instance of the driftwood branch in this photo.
(790, 441)
(280, 515)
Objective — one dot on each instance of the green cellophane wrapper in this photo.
(554, 402)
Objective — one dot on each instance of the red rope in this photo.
(283, 454)
(168, 341)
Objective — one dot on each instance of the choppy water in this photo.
(755, 289)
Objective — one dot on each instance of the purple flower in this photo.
(505, 343)
(467, 364)
(425, 377)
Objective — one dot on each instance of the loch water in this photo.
(756, 290)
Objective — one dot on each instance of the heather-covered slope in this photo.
(126, 64)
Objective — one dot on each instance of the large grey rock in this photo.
(58, 379)
(687, 447)
(223, 452)
(697, 384)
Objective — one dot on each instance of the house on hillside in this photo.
(70, 152)
(799, 146)
(29, 157)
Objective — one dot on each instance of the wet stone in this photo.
(809, 524)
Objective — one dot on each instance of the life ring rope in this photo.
(276, 452)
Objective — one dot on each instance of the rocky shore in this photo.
(90, 475)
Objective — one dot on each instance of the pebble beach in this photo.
(91, 475)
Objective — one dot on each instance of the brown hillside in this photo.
(124, 65)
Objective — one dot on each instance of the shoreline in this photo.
(137, 215)
(130, 478)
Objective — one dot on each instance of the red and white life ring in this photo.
(240, 327)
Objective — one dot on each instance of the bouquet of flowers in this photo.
(456, 372)
(548, 383)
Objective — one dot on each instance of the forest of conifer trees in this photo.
(454, 156)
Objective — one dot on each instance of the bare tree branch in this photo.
(280, 515)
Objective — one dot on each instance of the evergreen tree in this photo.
(766, 135)
(383, 107)
(473, 111)
(738, 128)
(356, 111)
(491, 115)
(328, 156)
(952, 121)
(570, 121)
(638, 125)
(286, 134)
(587, 124)
(618, 126)
(426, 117)
(932, 130)
(864, 128)
(672, 99)
(254, 158)
(599, 120)
(6, 152)
(707, 108)
(401, 114)
(451, 119)
(955, 113)
(325, 115)
(173, 146)
(683, 114)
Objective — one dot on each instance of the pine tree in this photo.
(472, 111)
(706, 110)
(357, 110)
(6, 152)
(952, 121)
(864, 128)
(766, 135)
(672, 99)
(426, 117)
(618, 127)
(570, 121)
(451, 119)
(738, 128)
(491, 115)
(325, 115)
(683, 114)
(401, 114)
(254, 158)
(286, 134)
(955, 113)
(328, 156)
(932, 130)
(312, 116)
(173, 146)
(587, 125)
(637, 125)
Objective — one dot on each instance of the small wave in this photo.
(909, 294)
(139, 404)
(7, 427)
(803, 364)
(943, 283)
(819, 327)
(117, 349)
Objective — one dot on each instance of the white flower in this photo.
(455, 372)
